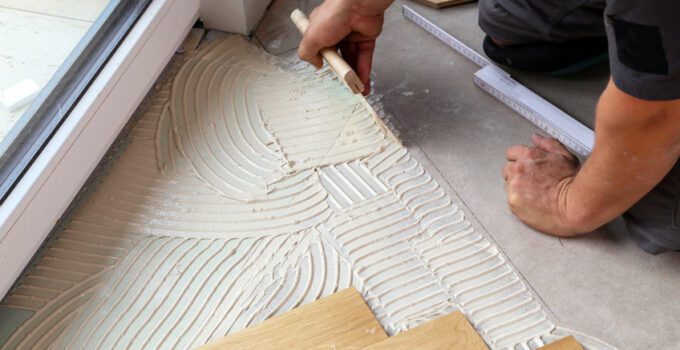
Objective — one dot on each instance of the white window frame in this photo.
(45, 191)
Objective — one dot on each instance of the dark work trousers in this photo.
(654, 221)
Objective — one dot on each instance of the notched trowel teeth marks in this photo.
(248, 189)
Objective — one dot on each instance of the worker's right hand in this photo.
(352, 25)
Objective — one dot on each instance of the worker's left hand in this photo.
(536, 181)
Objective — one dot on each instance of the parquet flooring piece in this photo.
(451, 332)
(566, 343)
(340, 321)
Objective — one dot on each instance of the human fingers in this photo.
(506, 186)
(364, 62)
(547, 144)
(348, 50)
(516, 152)
(310, 48)
(507, 171)
(552, 145)
(369, 26)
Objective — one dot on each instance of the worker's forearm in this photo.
(637, 143)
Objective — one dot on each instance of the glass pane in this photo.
(50, 52)
(37, 37)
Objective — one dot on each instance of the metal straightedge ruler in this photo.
(491, 78)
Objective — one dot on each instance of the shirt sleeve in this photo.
(644, 47)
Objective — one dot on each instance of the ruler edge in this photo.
(409, 13)
(579, 147)
(578, 141)
(408, 10)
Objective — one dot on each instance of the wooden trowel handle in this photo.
(331, 55)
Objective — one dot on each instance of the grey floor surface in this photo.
(600, 284)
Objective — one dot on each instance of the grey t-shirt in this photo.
(644, 47)
(643, 35)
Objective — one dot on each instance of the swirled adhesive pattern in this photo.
(246, 190)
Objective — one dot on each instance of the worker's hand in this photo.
(537, 180)
(352, 25)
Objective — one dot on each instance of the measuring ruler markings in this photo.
(491, 78)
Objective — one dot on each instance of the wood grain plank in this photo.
(443, 3)
(339, 321)
(452, 332)
(566, 343)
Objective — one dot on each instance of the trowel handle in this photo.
(331, 55)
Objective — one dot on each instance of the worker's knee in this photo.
(499, 24)
(490, 17)
(654, 221)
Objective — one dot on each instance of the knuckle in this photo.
(303, 53)
(512, 151)
(508, 150)
(554, 142)
(524, 152)
(558, 146)
(519, 167)
(533, 153)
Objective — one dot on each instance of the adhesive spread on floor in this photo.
(248, 189)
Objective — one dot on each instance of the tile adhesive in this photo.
(251, 186)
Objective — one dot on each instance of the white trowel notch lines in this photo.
(247, 189)
(244, 125)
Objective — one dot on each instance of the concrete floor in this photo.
(600, 284)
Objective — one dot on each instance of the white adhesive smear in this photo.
(247, 190)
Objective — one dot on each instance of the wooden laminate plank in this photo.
(452, 332)
(566, 343)
(442, 3)
(339, 321)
